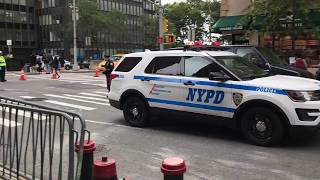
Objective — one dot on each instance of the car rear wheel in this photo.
(136, 112)
(262, 126)
(67, 67)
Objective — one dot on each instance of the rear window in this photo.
(128, 64)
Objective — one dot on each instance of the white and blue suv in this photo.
(218, 85)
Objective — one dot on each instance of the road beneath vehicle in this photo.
(210, 151)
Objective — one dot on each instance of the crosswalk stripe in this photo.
(85, 97)
(8, 123)
(26, 114)
(101, 85)
(75, 99)
(100, 92)
(63, 104)
(91, 94)
(70, 105)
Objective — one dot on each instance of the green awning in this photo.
(229, 23)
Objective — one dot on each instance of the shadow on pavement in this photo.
(210, 129)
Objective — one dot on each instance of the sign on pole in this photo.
(9, 42)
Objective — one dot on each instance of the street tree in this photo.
(192, 13)
(283, 17)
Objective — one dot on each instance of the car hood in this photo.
(286, 83)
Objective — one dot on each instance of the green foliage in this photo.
(191, 13)
(277, 13)
(90, 19)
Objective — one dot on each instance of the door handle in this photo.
(189, 83)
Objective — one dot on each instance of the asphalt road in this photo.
(210, 151)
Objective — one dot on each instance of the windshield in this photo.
(273, 58)
(240, 67)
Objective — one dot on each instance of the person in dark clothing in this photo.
(50, 59)
(55, 65)
(61, 61)
(108, 70)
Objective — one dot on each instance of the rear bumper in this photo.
(114, 103)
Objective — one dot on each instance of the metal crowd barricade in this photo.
(37, 142)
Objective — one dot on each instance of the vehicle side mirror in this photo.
(218, 76)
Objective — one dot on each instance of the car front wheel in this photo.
(262, 126)
(136, 112)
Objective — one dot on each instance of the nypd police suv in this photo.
(215, 84)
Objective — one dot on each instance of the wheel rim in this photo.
(135, 112)
(260, 126)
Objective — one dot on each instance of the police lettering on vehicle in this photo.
(206, 96)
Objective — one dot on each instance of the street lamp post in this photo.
(160, 39)
(74, 18)
(160, 26)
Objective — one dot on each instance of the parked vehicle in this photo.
(216, 85)
(67, 65)
(268, 60)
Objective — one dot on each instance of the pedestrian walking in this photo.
(39, 63)
(61, 62)
(55, 65)
(3, 66)
(46, 63)
(50, 59)
(108, 68)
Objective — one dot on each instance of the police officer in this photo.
(2, 67)
(108, 70)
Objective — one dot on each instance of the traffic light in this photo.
(169, 39)
(165, 25)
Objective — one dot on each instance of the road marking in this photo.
(90, 94)
(100, 92)
(63, 104)
(112, 124)
(9, 123)
(70, 105)
(27, 97)
(75, 99)
(101, 85)
(85, 97)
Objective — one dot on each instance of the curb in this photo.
(64, 72)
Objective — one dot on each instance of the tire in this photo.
(67, 67)
(262, 126)
(136, 112)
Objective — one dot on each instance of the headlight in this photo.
(302, 96)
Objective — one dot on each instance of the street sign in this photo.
(9, 42)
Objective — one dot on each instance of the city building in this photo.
(18, 23)
(40, 25)
(238, 28)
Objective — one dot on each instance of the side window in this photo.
(165, 66)
(198, 66)
(128, 64)
(249, 54)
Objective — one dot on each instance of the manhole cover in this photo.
(36, 99)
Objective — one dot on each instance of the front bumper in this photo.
(114, 103)
(304, 113)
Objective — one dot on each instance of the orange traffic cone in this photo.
(54, 74)
(97, 73)
(22, 77)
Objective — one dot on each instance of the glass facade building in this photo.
(139, 34)
(39, 25)
(18, 23)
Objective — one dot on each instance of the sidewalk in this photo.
(63, 71)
